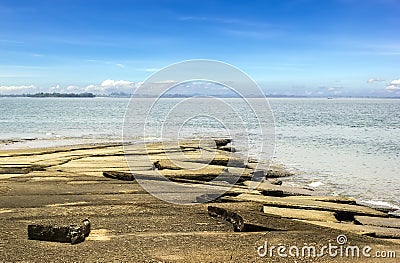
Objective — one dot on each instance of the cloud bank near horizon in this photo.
(110, 86)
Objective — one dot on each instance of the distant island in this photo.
(61, 95)
(54, 95)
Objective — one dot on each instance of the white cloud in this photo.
(395, 82)
(6, 90)
(373, 80)
(116, 83)
(120, 65)
(109, 86)
(394, 85)
(92, 88)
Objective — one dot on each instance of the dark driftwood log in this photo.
(119, 175)
(235, 219)
(64, 234)
(252, 222)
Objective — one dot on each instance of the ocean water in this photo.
(345, 147)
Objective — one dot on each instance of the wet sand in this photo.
(64, 185)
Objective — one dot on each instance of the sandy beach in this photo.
(64, 185)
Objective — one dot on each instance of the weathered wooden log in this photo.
(235, 219)
(119, 175)
(65, 234)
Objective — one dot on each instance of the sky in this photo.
(294, 47)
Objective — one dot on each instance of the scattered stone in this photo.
(278, 193)
(119, 175)
(86, 227)
(222, 142)
(275, 182)
(278, 172)
(165, 164)
(65, 234)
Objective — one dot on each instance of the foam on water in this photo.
(379, 204)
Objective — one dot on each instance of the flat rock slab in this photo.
(301, 203)
(250, 213)
(311, 215)
(378, 221)
(372, 231)
(141, 227)
(287, 190)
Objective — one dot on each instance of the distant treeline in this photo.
(60, 95)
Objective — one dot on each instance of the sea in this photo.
(341, 146)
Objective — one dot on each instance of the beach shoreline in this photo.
(63, 185)
(32, 144)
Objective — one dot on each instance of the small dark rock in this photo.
(277, 193)
(222, 142)
(275, 182)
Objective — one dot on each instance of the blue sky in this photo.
(301, 47)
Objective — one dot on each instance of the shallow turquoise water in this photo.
(345, 146)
